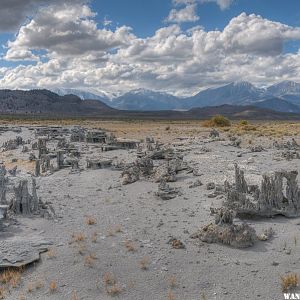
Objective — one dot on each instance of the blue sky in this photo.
(146, 16)
(71, 47)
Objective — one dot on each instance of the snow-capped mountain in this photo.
(142, 99)
(84, 95)
(235, 93)
(284, 88)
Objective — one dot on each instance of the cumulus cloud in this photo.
(72, 51)
(14, 13)
(186, 14)
(65, 30)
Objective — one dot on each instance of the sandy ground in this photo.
(132, 228)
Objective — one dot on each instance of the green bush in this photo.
(244, 122)
(220, 121)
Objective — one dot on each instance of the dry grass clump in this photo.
(203, 297)
(113, 230)
(111, 286)
(145, 262)
(113, 290)
(130, 246)
(289, 281)
(39, 284)
(217, 121)
(2, 292)
(11, 277)
(74, 296)
(53, 286)
(21, 297)
(30, 287)
(249, 128)
(109, 279)
(171, 296)
(94, 237)
(243, 123)
(89, 260)
(78, 237)
(90, 221)
(81, 248)
(172, 281)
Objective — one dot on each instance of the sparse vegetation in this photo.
(113, 230)
(2, 292)
(289, 281)
(172, 281)
(203, 297)
(243, 122)
(39, 284)
(53, 286)
(90, 221)
(217, 121)
(30, 287)
(111, 286)
(109, 279)
(113, 290)
(21, 297)
(74, 296)
(130, 246)
(78, 237)
(144, 263)
(94, 237)
(171, 296)
(11, 277)
(89, 260)
(150, 232)
(81, 248)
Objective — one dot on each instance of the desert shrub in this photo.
(249, 128)
(243, 122)
(217, 121)
(289, 281)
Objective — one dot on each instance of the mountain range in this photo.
(45, 103)
(283, 97)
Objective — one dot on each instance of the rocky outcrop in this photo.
(278, 194)
(142, 167)
(12, 144)
(290, 145)
(224, 231)
(21, 251)
(23, 198)
(165, 192)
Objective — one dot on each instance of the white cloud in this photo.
(223, 4)
(65, 30)
(186, 14)
(80, 54)
(13, 13)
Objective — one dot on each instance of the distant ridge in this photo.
(44, 103)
